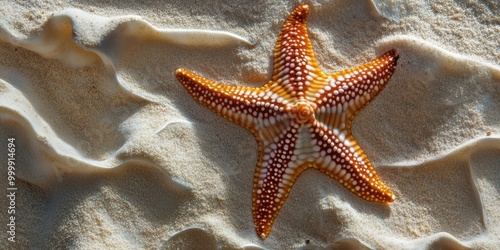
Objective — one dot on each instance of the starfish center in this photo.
(302, 112)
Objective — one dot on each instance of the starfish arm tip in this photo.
(394, 54)
(263, 236)
(300, 13)
(180, 72)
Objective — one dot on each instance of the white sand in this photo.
(111, 151)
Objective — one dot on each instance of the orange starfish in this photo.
(301, 118)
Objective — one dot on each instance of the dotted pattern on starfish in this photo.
(301, 118)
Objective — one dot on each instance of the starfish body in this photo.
(301, 118)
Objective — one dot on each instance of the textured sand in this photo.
(111, 152)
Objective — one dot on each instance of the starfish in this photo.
(301, 119)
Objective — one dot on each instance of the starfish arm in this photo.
(347, 92)
(295, 66)
(342, 159)
(277, 170)
(252, 108)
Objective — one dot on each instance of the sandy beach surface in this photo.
(111, 152)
